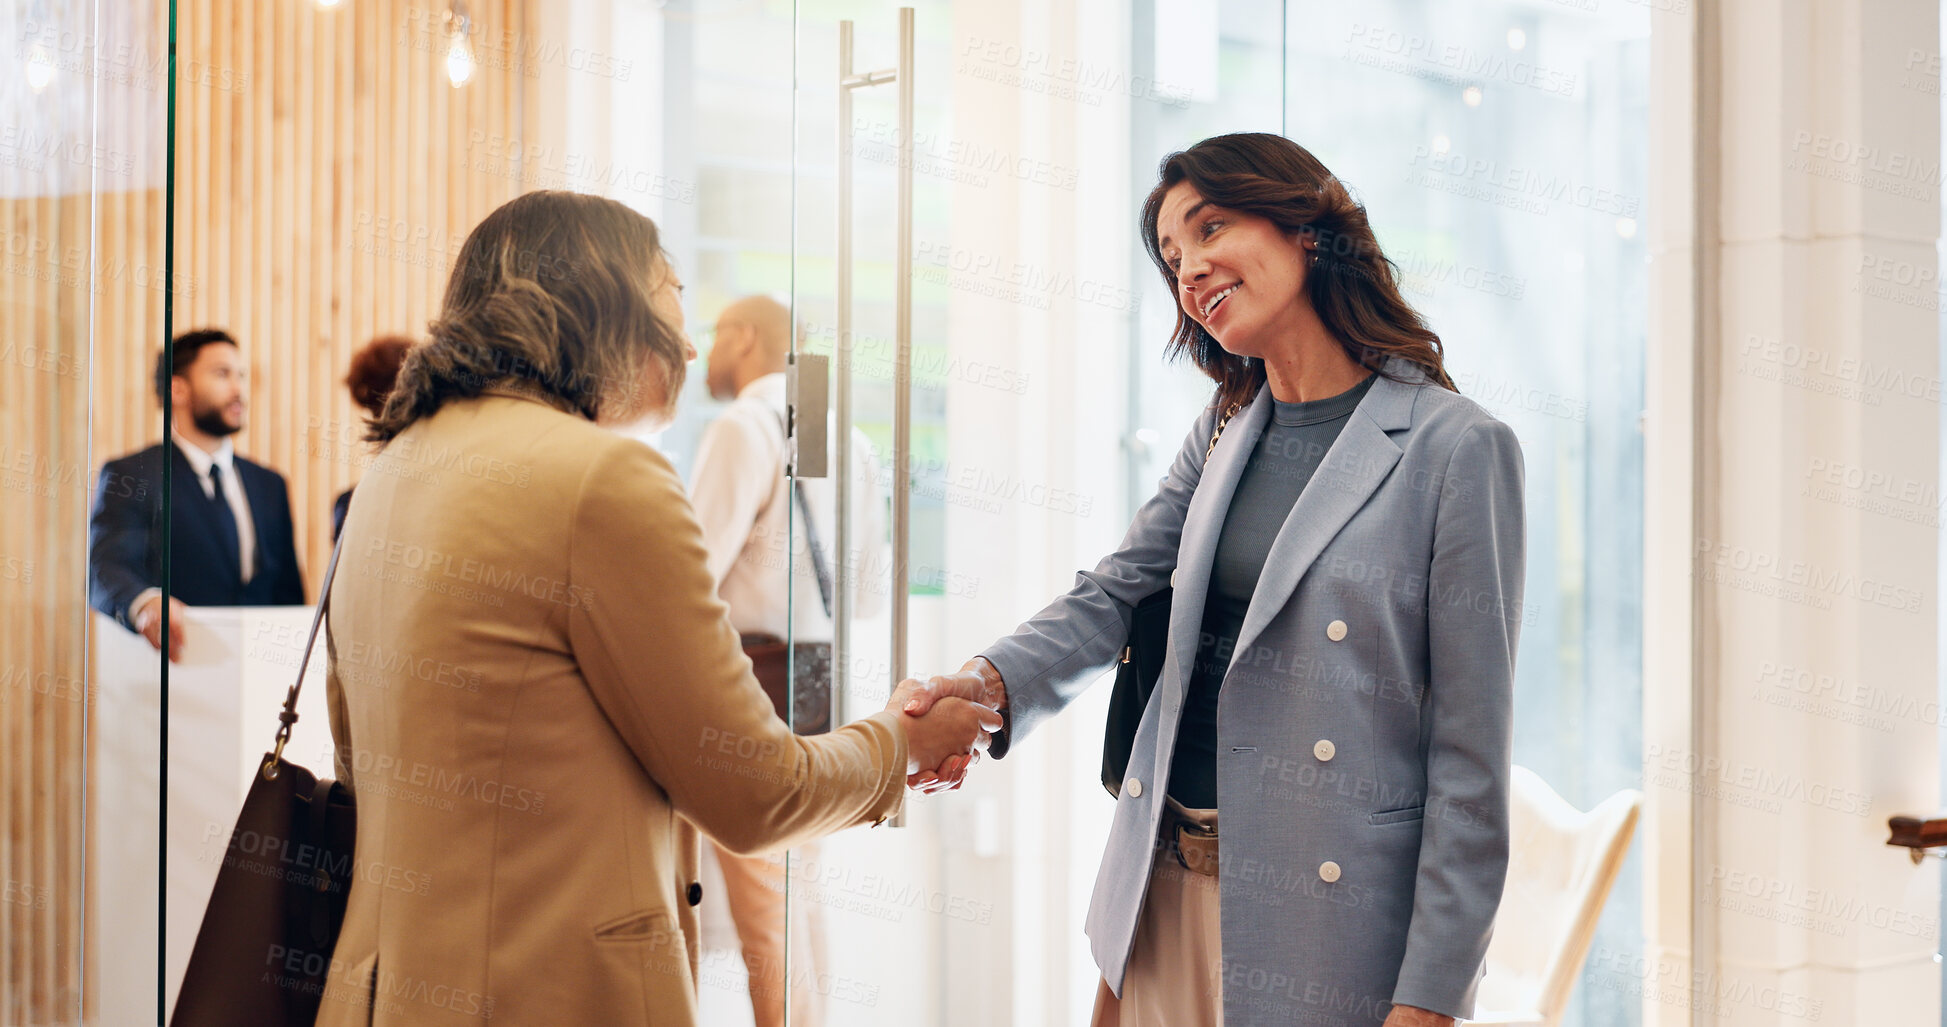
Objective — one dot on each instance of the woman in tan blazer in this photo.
(535, 691)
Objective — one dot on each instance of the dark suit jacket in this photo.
(338, 508)
(125, 537)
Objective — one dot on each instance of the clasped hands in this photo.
(949, 720)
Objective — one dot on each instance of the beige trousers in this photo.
(754, 886)
(1175, 976)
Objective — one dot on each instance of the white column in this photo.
(1670, 504)
(1794, 674)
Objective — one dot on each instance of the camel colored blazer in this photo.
(535, 692)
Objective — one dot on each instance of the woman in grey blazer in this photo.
(1347, 559)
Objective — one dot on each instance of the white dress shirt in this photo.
(743, 501)
(201, 462)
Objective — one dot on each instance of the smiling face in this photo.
(1238, 275)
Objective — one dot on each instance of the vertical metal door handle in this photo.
(902, 374)
(902, 403)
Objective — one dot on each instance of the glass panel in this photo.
(1246, 96)
(1023, 251)
(329, 158)
(839, 934)
(1509, 189)
(334, 158)
(82, 152)
(727, 129)
(339, 153)
(1026, 497)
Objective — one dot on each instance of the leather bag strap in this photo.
(288, 716)
(1219, 433)
(818, 566)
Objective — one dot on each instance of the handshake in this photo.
(949, 719)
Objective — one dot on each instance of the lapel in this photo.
(1202, 523)
(189, 498)
(1359, 460)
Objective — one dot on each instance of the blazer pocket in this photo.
(636, 927)
(1397, 816)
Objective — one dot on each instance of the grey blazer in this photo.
(1363, 728)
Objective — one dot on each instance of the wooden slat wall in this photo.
(303, 133)
(319, 205)
(43, 506)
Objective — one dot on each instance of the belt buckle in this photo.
(1182, 828)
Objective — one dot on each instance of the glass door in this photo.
(981, 342)
(1510, 192)
(725, 144)
(335, 155)
(1506, 237)
(1041, 412)
(867, 84)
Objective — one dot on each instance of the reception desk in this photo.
(237, 664)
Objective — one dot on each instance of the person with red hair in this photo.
(374, 368)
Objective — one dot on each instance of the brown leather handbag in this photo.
(808, 706)
(798, 675)
(263, 954)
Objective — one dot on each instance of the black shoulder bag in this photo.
(1142, 664)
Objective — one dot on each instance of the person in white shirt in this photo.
(744, 501)
(230, 540)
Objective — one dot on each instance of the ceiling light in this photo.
(459, 50)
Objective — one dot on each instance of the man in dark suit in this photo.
(230, 541)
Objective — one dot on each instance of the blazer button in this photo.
(1328, 871)
(1324, 750)
(1134, 788)
(1335, 630)
(696, 893)
(1172, 579)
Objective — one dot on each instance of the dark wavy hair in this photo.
(550, 295)
(1351, 284)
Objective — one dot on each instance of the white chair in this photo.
(1561, 865)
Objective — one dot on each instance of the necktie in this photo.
(226, 521)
